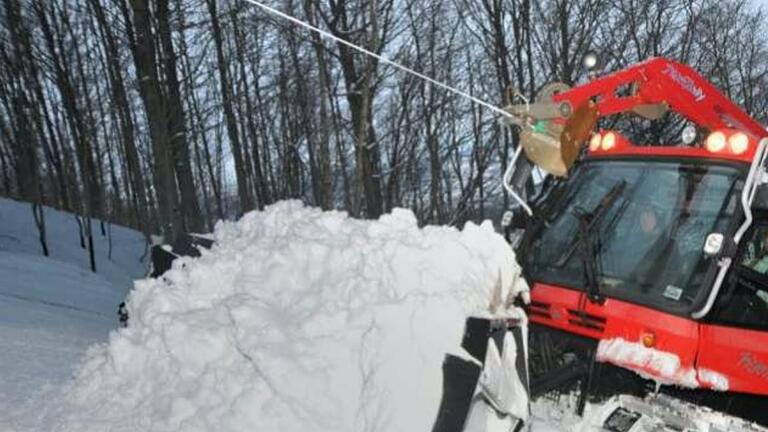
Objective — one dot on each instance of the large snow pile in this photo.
(297, 320)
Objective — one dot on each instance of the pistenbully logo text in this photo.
(753, 365)
(686, 82)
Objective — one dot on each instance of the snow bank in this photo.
(296, 320)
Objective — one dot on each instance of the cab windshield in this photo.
(650, 220)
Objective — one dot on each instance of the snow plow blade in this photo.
(488, 391)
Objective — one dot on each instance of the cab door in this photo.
(733, 350)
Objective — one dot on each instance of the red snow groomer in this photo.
(648, 264)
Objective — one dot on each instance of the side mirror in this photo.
(761, 199)
(713, 245)
(514, 219)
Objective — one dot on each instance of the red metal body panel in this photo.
(659, 80)
(739, 354)
(620, 320)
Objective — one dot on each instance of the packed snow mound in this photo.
(296, 320)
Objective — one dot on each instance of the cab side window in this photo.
(755, 255)
(743, 300)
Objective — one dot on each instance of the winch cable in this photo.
(379, 57)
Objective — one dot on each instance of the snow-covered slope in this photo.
(297, 320)
(50, 312)
(52, 309)
(18, 234)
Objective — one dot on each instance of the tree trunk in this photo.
(244, 192)
(190, 210)
(123, 110)
(152, 96)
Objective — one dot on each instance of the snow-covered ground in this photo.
(52, 309)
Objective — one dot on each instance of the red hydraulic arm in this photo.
(662, 81)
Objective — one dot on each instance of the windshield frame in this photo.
(548, 200)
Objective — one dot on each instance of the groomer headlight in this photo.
(728, 141)
(689, 135)
(607, 141)
(738, 142)
(594, 143)
(590, 60)
(716, 142)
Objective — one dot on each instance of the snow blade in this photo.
(490, 397)
(184, 245)
(459, 382)
(477, 334)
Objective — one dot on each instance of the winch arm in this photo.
(661, 81)
(561, 120)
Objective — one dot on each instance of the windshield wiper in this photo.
(592, 218)
(586, 239)
(588, 256)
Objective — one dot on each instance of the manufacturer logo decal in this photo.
(753, 365)
(686, 82)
